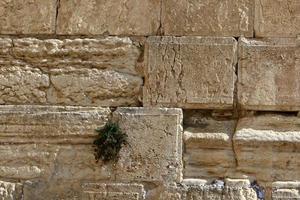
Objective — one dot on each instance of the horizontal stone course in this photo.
(190, 72)
(83, 72)
(92, 17)
(267, 147)
(231, 18)
(268, 74)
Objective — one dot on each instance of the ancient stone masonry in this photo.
(206, 91)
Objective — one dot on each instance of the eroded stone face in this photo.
(208, 17)
(268, 147)
(190, 72)
(269, 74)
(17, 17)
(69, 72)
(133, 17)
(155, 139)
(10, 190)
(208, 149)
(285, 23)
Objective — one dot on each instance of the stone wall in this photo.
(208, 92)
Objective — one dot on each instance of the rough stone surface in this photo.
(85, 17)
(190, 72)
(267, 147)
(17, 17)
(208, 18)
(268, 74)
(155, 138)
(69, 72)
(10, 191)
(208, 150)
(285, 23)
(116, 191)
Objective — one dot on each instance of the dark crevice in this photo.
(56, 16)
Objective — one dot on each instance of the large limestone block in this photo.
(190, 72)
(286, 190)
(155, 144)
(25, 124)
(114, 17)
(267, 147)
(27, 17)
(268, 74)
(71, 86)
(84, 72)
(10, 191)
(208, 149)
(36, 142)
(208, 17)
(285, 23)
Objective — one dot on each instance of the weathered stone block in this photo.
(34, 142)
(268, 147)
(268, 73)
(17, 17)
(190, 72)
(117, 191)
(208, 150)
(10, 191)
(69, 72)
(155, 139)
(285, 23)
(85, 17)
(208, 17)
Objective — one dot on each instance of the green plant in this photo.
(109, 142)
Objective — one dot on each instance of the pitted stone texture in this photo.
(19, 85)
(115, 53)
(269, 71)
(208, 17)
(84, 72)
(190, 72)
(27, 17)
(71, 86)
(10, 191)
(212, 191)
(110, 191)
(208, 149)
(267, 147)
(114, 17)
(285, 23)
(155, 147)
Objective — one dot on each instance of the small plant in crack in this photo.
(109, 141)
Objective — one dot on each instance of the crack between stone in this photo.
(56, 15)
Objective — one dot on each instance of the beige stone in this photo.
(281, 194)
(208, 18)
(190, 72)
(10, 191)
(23, 85)
(85, 17)
(53, 124)
(268, 74)
(117, 191)
(266, 147)
(71, 86)
(70, 72)
(155, 139)
(285, 23)
(27, 17)
(208, 150)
